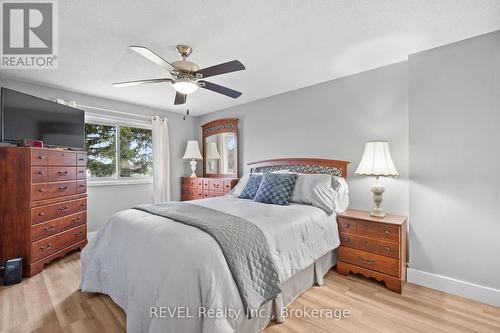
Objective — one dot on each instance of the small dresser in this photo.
(374, 247)
(198, 188)
(43, 205)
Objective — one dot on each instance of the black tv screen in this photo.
(23, 116)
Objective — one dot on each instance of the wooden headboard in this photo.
(303, 165)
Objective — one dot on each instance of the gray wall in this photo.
(104, 201)
(333, 120)
(454, 160)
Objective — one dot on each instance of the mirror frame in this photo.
(225, 125)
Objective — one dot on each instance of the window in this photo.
(118, 151)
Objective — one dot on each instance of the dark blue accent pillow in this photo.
(251, 188)
(276, 188)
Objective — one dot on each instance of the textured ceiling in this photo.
(284, 44)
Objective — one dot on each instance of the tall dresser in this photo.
(43, 205)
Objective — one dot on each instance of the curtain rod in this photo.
(113, 111)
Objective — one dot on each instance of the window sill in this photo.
(116, 182)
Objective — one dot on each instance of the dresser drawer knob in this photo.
(77, 220)
(41, 173)
(347, 225)
(387, 249)
(80, 171)
(387, 232)
(41, 214)
(49, 229)
(78, 234)
(81, 159)
(45, 248)
(347, 239)
(62, 209)
(62, 172)
(369, 261)
(81, 185)
(41, 156)
(63, 188)
(41, 189)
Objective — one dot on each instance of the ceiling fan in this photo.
(187, 77)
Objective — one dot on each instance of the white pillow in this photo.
(327, 192)
(236, 191)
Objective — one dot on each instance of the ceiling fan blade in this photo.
(150, 55)
(180, 98)
(227, 67)
(139, 82)
(220, 89)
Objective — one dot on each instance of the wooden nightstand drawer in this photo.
(347, 240)
(379, 231)
(347, 225)
(366, 244)
(370, 260)
(388, 249)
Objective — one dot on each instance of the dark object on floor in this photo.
(13, 272)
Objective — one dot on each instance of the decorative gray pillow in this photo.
(276, 188)
(251, 187)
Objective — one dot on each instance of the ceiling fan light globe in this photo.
(185, 86)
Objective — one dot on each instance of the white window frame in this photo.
(99, 119)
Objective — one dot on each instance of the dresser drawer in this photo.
(81, 204)
(347, 240)
(81, 173)
(192, 182)
(369, 260)
(49, 228)
(39, 192)
(347, 225)
(50, 212)
(227, 186)
(216, 185)
(47, 246)
(379, 231)
(388, 249)
(38, 174)
(56, 190)
(206, 185)
(81, 159)
(62, 173)
(38, 157)
(61, 158)
(81, 186)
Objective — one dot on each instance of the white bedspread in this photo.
(143, 261)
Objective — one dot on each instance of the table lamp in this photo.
(377, 161)
(192, 153)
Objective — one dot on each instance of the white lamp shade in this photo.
(192, 151)
(212, 152)
(376, 160)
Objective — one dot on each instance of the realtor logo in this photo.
(29, 34)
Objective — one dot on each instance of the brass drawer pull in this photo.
(216, 185)
(81, 158)
(62, 189)
(387, 232)
(347, 239)
(41, 173)
(81, 185)
(79, 234)
(388, 249)
(41, 214)
(77, 220)
(49, 229)
(347, 225)
(41, 189)
(62, 209)
(41, 156)
(45, 248)
(81, 171)
(371, 261)
(62, 173)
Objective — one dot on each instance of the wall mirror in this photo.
(220, 148)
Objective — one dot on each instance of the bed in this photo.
(173, 277)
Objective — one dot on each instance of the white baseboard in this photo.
(453, 286)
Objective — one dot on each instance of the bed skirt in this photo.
(291, 289)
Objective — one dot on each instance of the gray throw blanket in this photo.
(243, 244)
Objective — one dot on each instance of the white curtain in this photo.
(161, 160)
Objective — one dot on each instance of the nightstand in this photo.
(374, 247)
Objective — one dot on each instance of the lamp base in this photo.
(193, 168)
(377, 190)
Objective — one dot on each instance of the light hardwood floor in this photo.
(51, 302)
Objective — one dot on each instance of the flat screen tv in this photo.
(23, 116)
